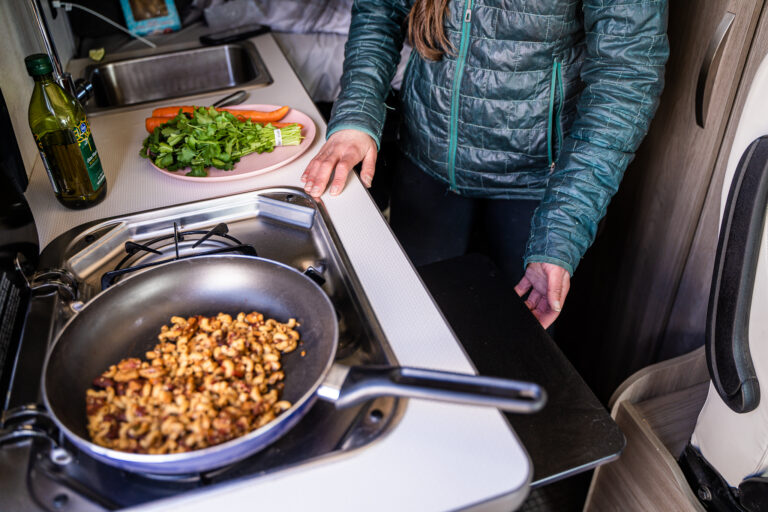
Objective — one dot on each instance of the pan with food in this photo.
(123, 323)
(208, 380)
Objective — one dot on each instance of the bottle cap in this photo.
(38, 64)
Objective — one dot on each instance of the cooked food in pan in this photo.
(208, 380)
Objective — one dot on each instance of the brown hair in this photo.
(425, 28)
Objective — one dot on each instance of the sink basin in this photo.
(174, 74)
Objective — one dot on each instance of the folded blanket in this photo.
(318, 60)
(306, 16)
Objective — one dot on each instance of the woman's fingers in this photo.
(533, 300)
(318, 173)
(309, 172)
(305, 174)
(566, 286)
(523, 286)
(341, 152)
(548, 284)
(369, 168)
(545, 314)
(343, 166)
(555, 288)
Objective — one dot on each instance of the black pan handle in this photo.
(348, 386)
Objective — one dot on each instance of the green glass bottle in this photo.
(64, 139)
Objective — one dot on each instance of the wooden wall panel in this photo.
(685, 330)
(646, 478)
(625, 289)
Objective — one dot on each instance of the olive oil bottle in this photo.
(64, 139)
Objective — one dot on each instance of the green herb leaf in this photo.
(197, 171)
(210, 138)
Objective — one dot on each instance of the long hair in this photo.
(425, 28)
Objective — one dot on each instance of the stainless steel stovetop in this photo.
(283, 224)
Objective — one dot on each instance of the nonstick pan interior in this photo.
(125, 320)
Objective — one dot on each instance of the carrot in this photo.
(171, 111)
(153, 122)
(259, 117)
(254, 115)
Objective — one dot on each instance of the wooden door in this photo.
(686, 326)
(625, 288)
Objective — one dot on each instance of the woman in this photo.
(524, 109)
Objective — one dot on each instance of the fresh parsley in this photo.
(209, 138)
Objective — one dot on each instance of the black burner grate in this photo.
(218, 233)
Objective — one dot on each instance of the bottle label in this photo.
(46, 164)
(47, 167)
(82, 133)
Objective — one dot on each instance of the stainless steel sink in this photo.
(174, 74)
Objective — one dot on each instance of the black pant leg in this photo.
(508, 225)
(431, 223)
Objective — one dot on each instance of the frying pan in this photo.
(124, 321)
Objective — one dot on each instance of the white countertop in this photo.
(439, 457)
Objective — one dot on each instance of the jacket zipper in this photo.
(560, 102)
(554, 129)
(460, 61)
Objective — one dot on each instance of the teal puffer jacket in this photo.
(545, 99)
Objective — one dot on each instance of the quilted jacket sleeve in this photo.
(371, 56)
(623, 74)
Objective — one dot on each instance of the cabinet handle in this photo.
(709, 67)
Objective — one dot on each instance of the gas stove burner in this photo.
(176, 246)
(287, 227)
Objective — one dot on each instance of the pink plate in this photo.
(254, 164)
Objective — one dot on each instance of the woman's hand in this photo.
(549, 284)
(342, 151)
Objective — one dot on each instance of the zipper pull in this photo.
(468, 15)
(552, 167)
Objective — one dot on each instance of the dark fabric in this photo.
(527, 85)
(753, 494)
(707, 483)
(11, 164)
(434, 224)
